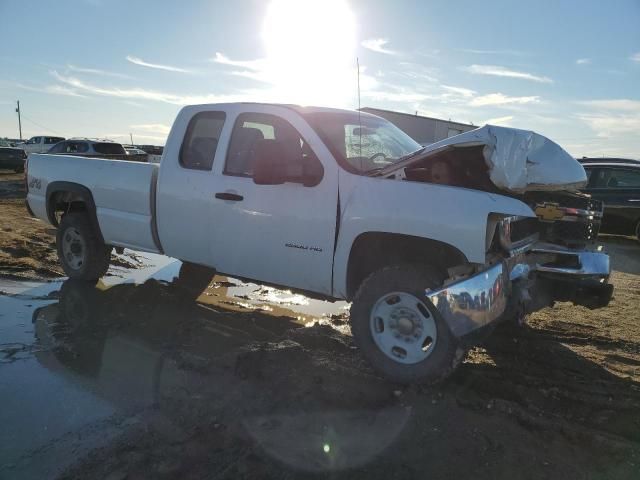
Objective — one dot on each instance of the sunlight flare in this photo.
(310, 48)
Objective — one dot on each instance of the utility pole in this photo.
(19, 120)
(131, 137)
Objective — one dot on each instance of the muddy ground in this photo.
(130, 380)
(27, 245)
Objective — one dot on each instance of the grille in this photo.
(573, 231)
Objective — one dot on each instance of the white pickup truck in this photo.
(433, 246)
(39, 144)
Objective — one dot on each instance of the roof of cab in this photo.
(298, 108)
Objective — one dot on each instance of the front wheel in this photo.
(399, 330)
(82, 254)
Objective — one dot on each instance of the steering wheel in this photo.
(375, 155)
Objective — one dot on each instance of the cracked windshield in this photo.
(309, 239)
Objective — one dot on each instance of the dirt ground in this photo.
(243, 392)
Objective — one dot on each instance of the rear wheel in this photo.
(82, 254)
(399, 330)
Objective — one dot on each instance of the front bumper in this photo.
(474, 302)
(547, 273)
(569, 275)
(562, 261)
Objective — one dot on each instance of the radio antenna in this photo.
(359, 119)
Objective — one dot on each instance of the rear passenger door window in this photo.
(201, 140)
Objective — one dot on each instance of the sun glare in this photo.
(310, 47)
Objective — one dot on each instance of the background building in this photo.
(424, 130)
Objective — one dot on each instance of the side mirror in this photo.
(312, 172)
(269, 165)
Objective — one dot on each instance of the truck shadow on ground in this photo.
(229, 394)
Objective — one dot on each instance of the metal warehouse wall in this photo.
(424, 130)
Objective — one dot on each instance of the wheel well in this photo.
(64, 197)
(374, 250)
(64, 202)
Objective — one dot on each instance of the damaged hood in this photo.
(518, 160)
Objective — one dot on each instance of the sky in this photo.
(569, 70)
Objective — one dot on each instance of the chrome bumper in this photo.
(481, 299)
(555, 259)
(474, 302)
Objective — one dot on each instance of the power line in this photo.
(38, 125)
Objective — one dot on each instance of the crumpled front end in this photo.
(496, 159)
(523, 274)
(475, 302)
(521, 160)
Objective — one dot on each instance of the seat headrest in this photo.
(250, 135)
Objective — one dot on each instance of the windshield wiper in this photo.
(376, 171)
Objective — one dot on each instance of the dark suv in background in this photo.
(11, 158)
(94, 148)
(616, 182)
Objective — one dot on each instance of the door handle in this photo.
(234, 197)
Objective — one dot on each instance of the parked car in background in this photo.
(616, 182)
(95, 148)
(39, 144)
(151, 149)
(134, 151)
(11, 158)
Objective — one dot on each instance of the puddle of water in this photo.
(37, 407)
(77, 361)
(279, 302)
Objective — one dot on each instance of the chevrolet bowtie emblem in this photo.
(548, 212)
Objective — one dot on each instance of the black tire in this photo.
(95, 255)
(447, 353)
(193, 279)
(638, 231)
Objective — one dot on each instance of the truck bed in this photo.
(123, 192)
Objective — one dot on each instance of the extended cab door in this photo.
(186, 184)
(281, 234)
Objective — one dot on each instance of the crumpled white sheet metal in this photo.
(520, 160)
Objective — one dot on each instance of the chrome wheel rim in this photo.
(73, 248)
(403, 327)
